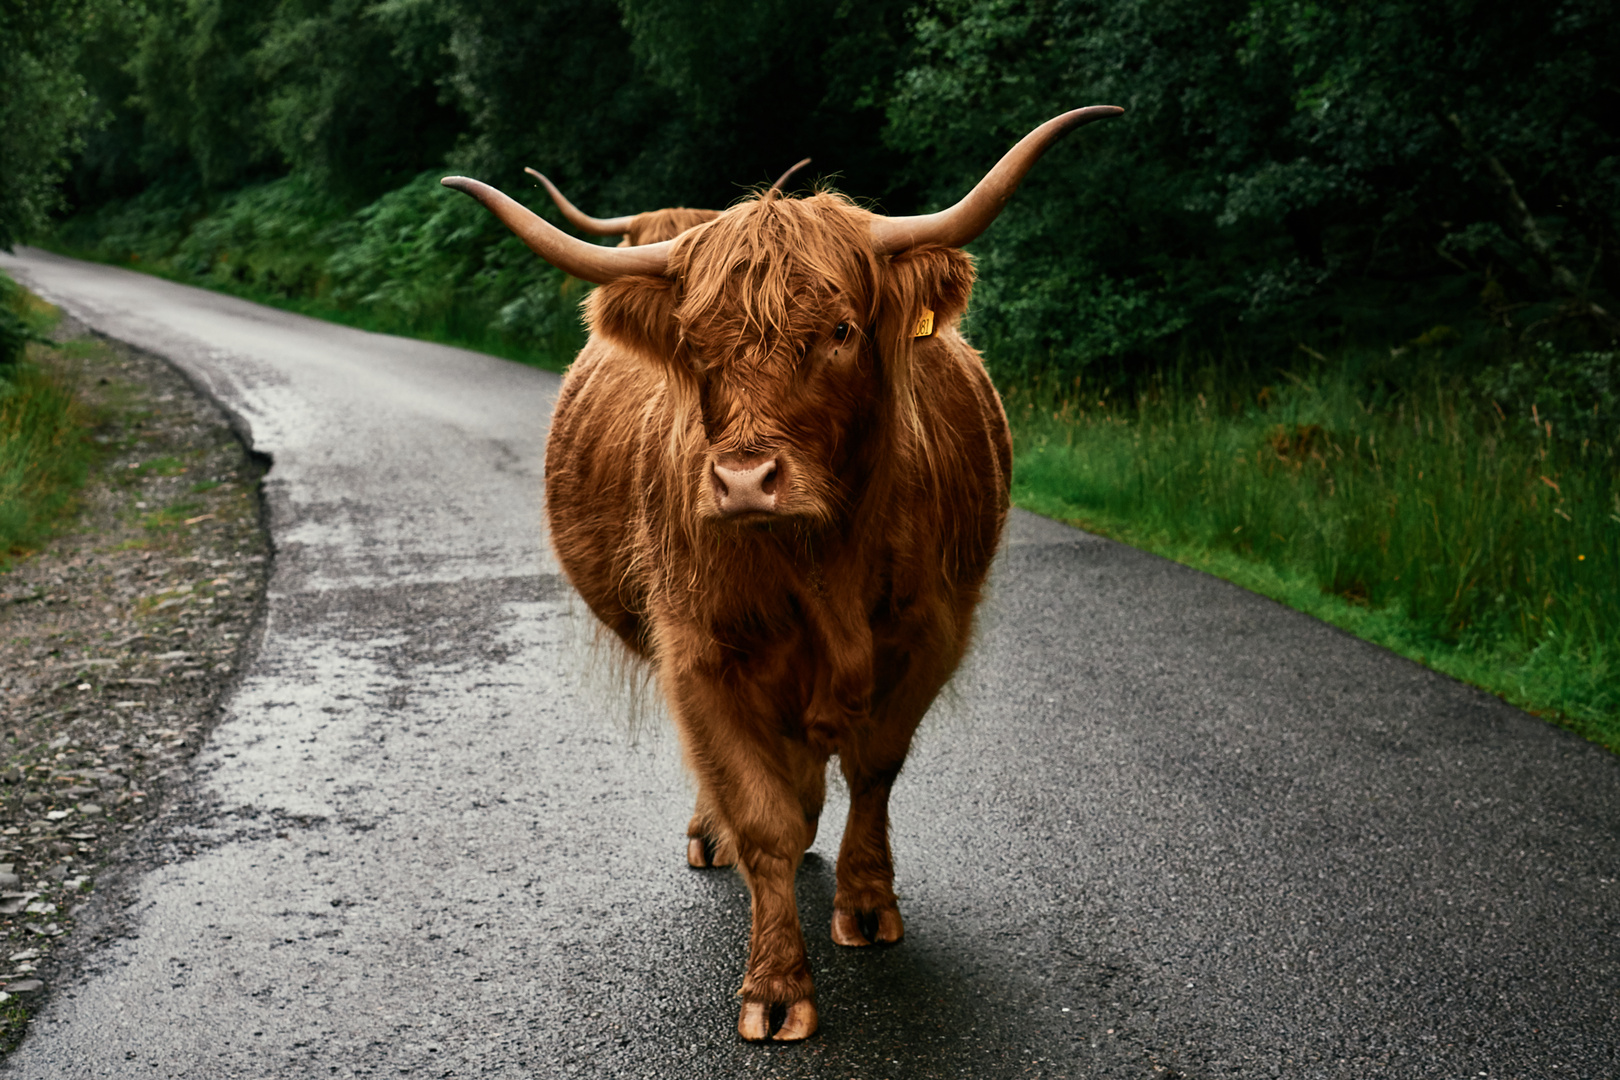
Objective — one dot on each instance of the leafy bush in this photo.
(17, 329)
(1333, 174)
(419, 260)
(43, 107)
(1284, 173)
(14, 338)
(1573, 396)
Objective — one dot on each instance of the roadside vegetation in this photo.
(1331, 310)
(1470, 524)
(45, 448)
(413, 262)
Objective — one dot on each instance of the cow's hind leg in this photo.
(708, 841)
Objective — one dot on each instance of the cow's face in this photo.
(783, 402)
(786, 332)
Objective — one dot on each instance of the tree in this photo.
(1285, 170)
(353, 94)
(43, 107)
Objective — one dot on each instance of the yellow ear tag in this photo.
(925, 324)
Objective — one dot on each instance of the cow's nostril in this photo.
(767, 483)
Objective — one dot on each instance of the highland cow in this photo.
(778, 473)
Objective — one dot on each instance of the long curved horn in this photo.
(783, 179)
(569, 254)
(578, 218)
(962, 223)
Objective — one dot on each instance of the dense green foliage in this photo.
(1336, 175)
(1362, 214)
(411, 262)
(17, 329)
(1285, 172)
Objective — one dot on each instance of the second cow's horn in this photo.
(571, 255)
(579, 219)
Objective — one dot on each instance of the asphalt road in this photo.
(1162, 826)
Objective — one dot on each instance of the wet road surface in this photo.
(1161, 827)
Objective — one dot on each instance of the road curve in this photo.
(1161, 827)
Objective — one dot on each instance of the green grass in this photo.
(1428, 519)
(162, 466)
(170, 518)
(45, 453)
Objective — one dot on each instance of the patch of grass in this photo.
(173, 516)
(1426, 518)
(45, 452)
(13, 1024)
(161, 466)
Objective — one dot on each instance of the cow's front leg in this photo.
(778, 970)
(772, 815)
(865, 908)
(766, 790)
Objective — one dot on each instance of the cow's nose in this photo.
(744, 483)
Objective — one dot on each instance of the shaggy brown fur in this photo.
(829, 626)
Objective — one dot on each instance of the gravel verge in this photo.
(118, 641)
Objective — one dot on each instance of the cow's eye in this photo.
(841, 331)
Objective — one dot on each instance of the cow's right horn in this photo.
(569, 254)
(961, 224)
(578, 218)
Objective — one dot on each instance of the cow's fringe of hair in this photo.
(756, 277)
(756, 264)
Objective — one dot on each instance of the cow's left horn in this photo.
(578, 218)
(785, 177)
(962, 223)
(569, 254)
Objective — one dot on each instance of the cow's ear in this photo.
(932, 278)
(638, 313)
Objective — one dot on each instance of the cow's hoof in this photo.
(858, 928)
(798, 1021)
(702, 853)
